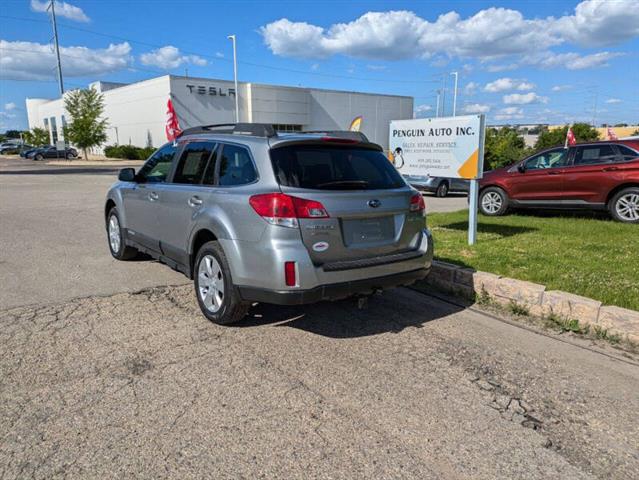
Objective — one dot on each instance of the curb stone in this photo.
(539, 301)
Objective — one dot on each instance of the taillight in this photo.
(289, 274)
(417, 203)
(284, 210)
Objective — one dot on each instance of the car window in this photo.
(627, 153)
(334, 168)
(551, 159)
(156, 169)
(595, 154)
(193, 162)
(236, 166)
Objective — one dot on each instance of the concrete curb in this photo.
(539, 301)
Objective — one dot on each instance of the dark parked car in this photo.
(51, 151)
(596, 176)
(14, 149)
(440, 186)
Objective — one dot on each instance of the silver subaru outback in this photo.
(256, 216)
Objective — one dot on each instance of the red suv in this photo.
(598, 176)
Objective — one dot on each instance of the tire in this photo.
(624, 206)
(217, 296)
(119, 250)
(70, 156)
(38, 158)
(442, 190)
(493, 202)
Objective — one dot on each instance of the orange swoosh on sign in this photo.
(469, 168)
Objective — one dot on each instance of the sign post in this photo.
(451, 147)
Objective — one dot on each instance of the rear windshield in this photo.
(324, 167)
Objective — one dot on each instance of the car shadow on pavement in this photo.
(501, 230)
(390, 312)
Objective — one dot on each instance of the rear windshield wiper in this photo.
(344, 184)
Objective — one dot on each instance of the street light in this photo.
(237, 107)
(455, 94)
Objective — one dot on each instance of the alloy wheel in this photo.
(627, 207)
(210, 283)
(114, 234)
(491, 202)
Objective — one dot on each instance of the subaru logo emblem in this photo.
(374, 203)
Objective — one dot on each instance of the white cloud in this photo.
(505, 84)
(509, 113)
(490, 33)
(476, 108)
(570, 60)
(219, 54)
(471, 88)
(7, 115)
(524, 98)
(422, 111)
(315, 66)
(9, 106)
(610, 100)
(376, 67)
(62, 9)
(36, 61)
(493, 68)
(170, 57)
(599, 23)
(561, 88)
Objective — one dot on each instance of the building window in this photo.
(54, 130)
(46, 127)
(287, 128)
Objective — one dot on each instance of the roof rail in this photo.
(255, 129)
(359, 136)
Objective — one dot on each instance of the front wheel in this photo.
(118, 248)
(218, 298)
(38, 158)
(624, 206)
(70, 156)
(442, 190)
(493, 202)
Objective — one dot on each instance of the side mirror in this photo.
(521, 167)
(127, 175)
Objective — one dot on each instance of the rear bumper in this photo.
(333, 291)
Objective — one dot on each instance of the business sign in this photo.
(210, 90)
(440, 147)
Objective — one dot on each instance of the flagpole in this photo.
(237, 107)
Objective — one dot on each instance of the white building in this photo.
(136, 112)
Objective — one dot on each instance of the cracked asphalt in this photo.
(139, 384)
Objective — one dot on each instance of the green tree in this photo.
(86, 129)
(36, 137)
(557, 137)
(503, 146)
(12, 133)
(636, 132)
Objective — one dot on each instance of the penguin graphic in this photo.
(398, 158)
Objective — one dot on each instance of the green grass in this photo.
(596, 258)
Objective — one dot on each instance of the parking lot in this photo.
(109, 370)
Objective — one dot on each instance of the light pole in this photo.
(237, 104)
(57, 47)
(455, 94)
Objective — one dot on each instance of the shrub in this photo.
(128, 152)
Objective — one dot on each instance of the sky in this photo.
(517, 62)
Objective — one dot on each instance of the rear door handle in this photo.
(611, 169)
(553, 173)
(152, 196)
(195, 201)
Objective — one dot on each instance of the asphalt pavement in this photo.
(107, 371)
